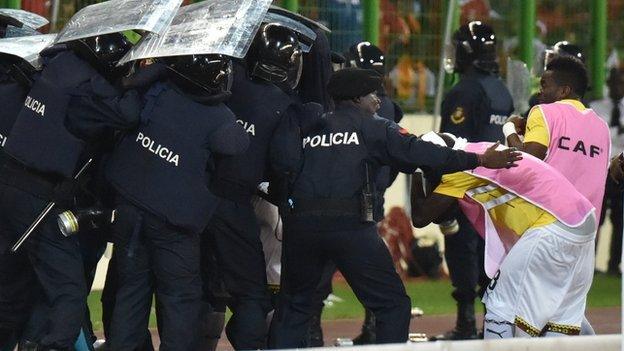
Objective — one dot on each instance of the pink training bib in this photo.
(579, 148)
(534, 181)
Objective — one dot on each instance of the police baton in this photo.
(44, 213)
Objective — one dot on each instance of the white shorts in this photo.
(543, 282)
(271, 237)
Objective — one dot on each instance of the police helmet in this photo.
(201, 75)
(472, 44)
(366, 55)
(103, 52)
(564, 48)
(275, 55)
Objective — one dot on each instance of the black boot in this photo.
(465, 327)
(315, 332)
(368, 335)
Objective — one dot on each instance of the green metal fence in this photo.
(411, 32)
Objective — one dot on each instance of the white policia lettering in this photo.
(36, 106)
(160, 151)
(250, 128)
(498, 119)
(332, 139)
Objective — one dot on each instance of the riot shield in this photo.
(299, 18)
(115, 16)
(28, 19)
(224, 27)
(27, 48)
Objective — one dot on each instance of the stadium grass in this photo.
(433, 297)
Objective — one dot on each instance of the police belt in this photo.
(40, 184)
(327, 207)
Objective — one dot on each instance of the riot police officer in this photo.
(71, 104)
(332, 215)
(475, 108)
(233, 235)
(16, 72)
(16, 75)
(154, 170)
(368, 56)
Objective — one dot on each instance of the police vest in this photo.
(258, 107)
(39, 138)
(499, 106)
(334, 158)
(161, 167)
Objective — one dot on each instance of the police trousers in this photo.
(109, 294)
(48, 261)
(233, 237)
(363, 259)
(154, 257)
(92, 244)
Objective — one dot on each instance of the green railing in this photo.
(411, 33)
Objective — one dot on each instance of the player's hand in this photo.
(506, 158)
(519, 123)
(616, 169)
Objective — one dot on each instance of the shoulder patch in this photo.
(458, 116)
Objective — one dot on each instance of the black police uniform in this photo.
(12, 95)
(159, 172)
(68, 108)
(384, 178)
(475, 109)
(326, 221)
(233, 234)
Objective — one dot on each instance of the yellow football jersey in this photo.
(514, 212)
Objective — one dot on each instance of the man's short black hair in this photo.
(569, 71)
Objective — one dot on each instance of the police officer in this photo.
(475, 108)
(332, 213)
(155, 170)
(233, 235)
(72, 103)
(367, 56)
(16, 74)
(15, 81)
